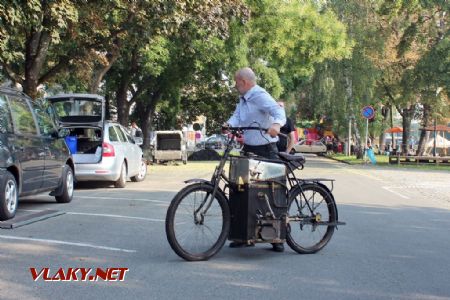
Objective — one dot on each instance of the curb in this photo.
(335, 159)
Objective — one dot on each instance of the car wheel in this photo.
(120, 183)
(9, 197)
(67, 186)
(142, 172)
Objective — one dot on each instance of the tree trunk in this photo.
(424, 135)
(148, 107)
(147, 123)
(107, 107)
(101, 70)
(385, 112)
(407, 115)
(123, 106)
(36, 49)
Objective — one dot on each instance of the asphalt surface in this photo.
(396, 243)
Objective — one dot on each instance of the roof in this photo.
(436, 128)
(13, 91)
(76, 95)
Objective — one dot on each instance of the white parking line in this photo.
(103, 215)
(114, 216)
(66, 243)
(388, 188)
(131, 199)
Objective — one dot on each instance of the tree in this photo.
(411, 30)
(157, 65)
(292, 36)
(28, 31)
(432, 79)
(340, 88)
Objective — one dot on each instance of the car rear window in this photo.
(77, 109)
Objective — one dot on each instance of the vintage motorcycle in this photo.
(261, 201)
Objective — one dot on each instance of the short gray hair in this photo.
(246, 73)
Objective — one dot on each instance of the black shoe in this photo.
(240, 245)
(278, 247)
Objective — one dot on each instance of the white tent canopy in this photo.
(441, 143)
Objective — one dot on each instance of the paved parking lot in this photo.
(397, 222)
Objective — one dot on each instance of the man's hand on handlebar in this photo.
(274, 130)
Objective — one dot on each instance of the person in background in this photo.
(287, 142)
(135, 130)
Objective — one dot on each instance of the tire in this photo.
(197, 241)
(9, 197)
(306, 235)
(67, 186)
(142, 172)
(121, 182)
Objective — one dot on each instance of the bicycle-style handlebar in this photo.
(235, 130)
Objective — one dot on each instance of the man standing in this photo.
(286, 143)
(135, 130)
(257, 108)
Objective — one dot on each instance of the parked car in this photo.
(309, 146)
(238, 140)
(102, 150)
(33, 156)
(215, 141)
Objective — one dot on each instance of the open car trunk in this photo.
(85, 144)
(83, 115)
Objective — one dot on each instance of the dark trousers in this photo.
(268, 151)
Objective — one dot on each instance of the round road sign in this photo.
(368, 112)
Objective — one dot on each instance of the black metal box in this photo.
(258, 200)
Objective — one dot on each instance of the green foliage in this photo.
(176, 59)
(293, 36)
(268, 79)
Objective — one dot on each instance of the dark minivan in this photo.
(34, 157)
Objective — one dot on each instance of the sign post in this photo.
(368, 113)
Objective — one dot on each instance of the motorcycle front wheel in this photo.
(196, 225)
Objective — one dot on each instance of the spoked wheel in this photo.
(193, 233)
(310, 227)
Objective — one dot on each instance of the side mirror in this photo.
(138, 140)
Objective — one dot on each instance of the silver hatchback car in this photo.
(102, 150)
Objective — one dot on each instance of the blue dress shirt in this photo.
(257, 108)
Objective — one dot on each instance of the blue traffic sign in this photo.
(368, 112)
